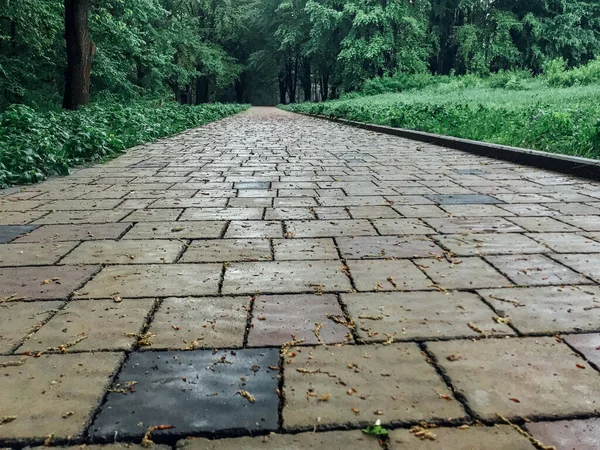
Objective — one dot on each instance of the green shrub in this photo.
(557, 75)
(401, 82)
(35, 145)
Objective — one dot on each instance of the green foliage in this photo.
(557, 75)
(555, 120)
(34, 145)
(376, 430)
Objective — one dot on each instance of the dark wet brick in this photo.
(10, 232)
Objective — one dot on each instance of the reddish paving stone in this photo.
(18, 319)
(518, 378)
(190, 323)
(548, 309)
(463, 273)
(72, 383)
(282, 318)
(568, 434)
(396, 380)
(388, 275)
(588, 265)
(154, 280)
(587, 344)
(29, 283)
(499, 437)
(535, 270)
(421, 315)
(382, 247)
(103, 323)
(89, 232)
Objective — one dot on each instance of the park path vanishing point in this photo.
(405, 282)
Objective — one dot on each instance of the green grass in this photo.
(35, 145)
(531, 114)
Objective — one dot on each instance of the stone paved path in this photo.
(406, 282)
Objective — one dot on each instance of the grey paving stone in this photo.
(278, 319)
(490, 244)
(285, 277)
(252, 185)
(535, 270)
(170, 386)
(81, 205)
(574, 209)
(295, 202)
(176, 230)
(518, 378)
(420, 211)
(383, 247)
(588, 265)
(542, 224)
(289, 214)
(154, 215)
(20, 218)
(331, 212)
(401, 226)
(250, 202)
(207, 322)
(587, 344)
(154, 280)
(373, 212)
(408, 392)
(125, 252)
(222, 214)
(476, 210)
(499, 437)
(103, 324)
(19, 205)
(36, 254)
(587, 223)
(304, 249)
(471, 172)
(397, 200)
(335, 440)
(80, 217)
(18, 319)
(86, 232)
(421, 315)
(568, 434)
(11, 232)
(329, 228)
(548, 309)
(196, 202)
(254, 229)
(567, 242)
(388, 275)
(227, 250)
(473, 225)
(529, 210)
(72, 383)
(355, 200)
(463, 273)
(441, 199)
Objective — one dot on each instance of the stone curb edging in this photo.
(572, 165)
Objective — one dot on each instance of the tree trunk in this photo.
(306, 84)
(239, 90)
(202, 90)
(282, 88)
(80, 50)
(325, 88)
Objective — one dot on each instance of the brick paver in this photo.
(156, 289)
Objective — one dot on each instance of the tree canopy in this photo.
(269, 51)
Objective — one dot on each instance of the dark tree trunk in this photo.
(325, 87)
(202, 90)
(306, 84)
(239, 90)
(80, 50)
(290, 82)
(282, 88)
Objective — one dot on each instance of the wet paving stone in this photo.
(409, 391)
(535, 270)
(285, 277)
(586, 344)
(560, 309)
(499, 437)
(254, 229)
(333, 228)
(335, 440)
(526, 377)
(18, 319)
(86, 232)
(34, 254)
(403, 316)
(588, 265)
(383, 247)
(125, 252)
(467, 199)
(388, 275)
(304, 249)
(567, 242)
(462, 273)
(11, 232)
(194, 392)
(102, 324)
(401, 226)
(490, 244)
(227, 250)
(568, 434)
(176, 230)
(207, 322)
(278, 319)
(473, 225)
(154, 280)
(71, 383)
(42, 282)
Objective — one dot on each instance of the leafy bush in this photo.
(557, 75)
(401, 82)
(35, 145)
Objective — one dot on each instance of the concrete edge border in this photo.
(572, 165)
